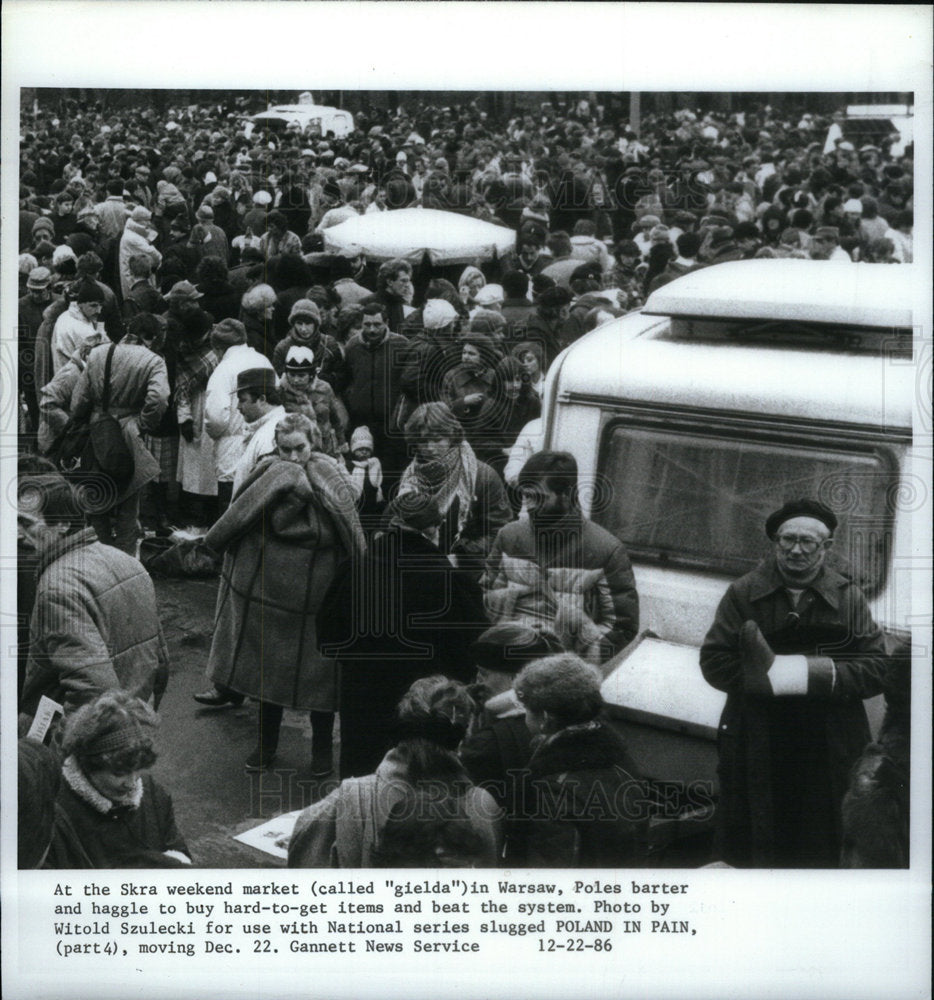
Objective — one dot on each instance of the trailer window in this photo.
(698, 500)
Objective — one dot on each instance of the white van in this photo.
(734, 389)
(874, 124)
(314, 120)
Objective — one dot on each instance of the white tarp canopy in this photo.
(409, 233)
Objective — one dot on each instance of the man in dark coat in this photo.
(545, 325)
(405, 612)
(374, 360)
(31, 310)
(795, 648)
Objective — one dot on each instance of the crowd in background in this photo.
(383, 411)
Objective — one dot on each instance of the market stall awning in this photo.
(410, 233)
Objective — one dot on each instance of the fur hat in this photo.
(262, 198)
(800, 508)
(141, 215)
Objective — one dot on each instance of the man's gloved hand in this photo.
(766, 674)
(187, 430)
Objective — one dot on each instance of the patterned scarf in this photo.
(443, 479)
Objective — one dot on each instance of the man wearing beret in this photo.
(795, 648)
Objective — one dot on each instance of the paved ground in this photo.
(203, 750)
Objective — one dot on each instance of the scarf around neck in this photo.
(454, 475)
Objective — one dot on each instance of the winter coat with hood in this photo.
(95, 626)
(90, 831)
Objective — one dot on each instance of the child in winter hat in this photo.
(367, 474)
(301, 391)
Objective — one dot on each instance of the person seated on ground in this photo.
(584, 803)
(423, 831)
(498, 745)
(346, 829)
(110, 813)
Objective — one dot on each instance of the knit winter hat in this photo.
(361, 438)
(89, 291)
(306, 308)
(228, 333)
(300, 359)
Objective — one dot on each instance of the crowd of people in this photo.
(360, 444)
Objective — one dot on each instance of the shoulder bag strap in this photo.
(108, 364)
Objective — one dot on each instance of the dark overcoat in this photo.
(826, 730)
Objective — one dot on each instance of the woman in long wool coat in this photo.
(290, 527)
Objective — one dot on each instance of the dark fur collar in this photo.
(579, 748)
